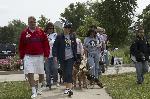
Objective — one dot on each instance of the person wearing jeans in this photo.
(51, 70)
(93, 62)
(140, 52)
(51, 66)
(92, 51)
(141, 69)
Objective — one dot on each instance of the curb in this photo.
(10, 72)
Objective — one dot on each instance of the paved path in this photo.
(112, 70)
(19, 76)
(95, 93)
(57, 93)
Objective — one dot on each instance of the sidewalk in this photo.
(19, 76)
(57, 93)
(111, 70)
(95, 93)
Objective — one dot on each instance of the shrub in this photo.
(122, 52)
(10, 63)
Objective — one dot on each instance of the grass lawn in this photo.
(14, 90)
(124, 86)
(121, 86)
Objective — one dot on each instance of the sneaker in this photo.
(49, 86)
(57, 85)
(138, 82)
(34, 92)
(33, 96)
(70, 92)
(66, 91)
(39, 91)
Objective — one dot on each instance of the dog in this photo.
(102, 65)
(74, 75)
(79, 71)
(82, 78)
(60, 72)
(79, 75)
(91, 78)
(84, 75)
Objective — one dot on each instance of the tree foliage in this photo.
(17, 26)
(82, 30)
(116, 17)
(146, 19)
(7, 34)
(75, 13)
(42, 21)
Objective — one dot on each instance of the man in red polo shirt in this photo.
(33, 49)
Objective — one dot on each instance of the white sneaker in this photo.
(39, 91)
(66, 91)
(33, 96)
(57, 85)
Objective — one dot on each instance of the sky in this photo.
(22, 9)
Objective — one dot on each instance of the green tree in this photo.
(82, 30)
(75, 14)
(42, 21)
(7, 34)
(146, 19)
(17, 26)
(116, 17)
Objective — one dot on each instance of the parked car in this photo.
(7, 50)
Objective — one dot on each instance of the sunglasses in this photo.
(32, 22)
(50, 28)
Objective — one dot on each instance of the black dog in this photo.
(94, 79)
(101, 63)
(60, 72)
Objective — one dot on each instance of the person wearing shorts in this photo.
(65, 50)
(34, 50)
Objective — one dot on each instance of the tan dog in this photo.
(75, 72)
(82, 78)
(79, 74)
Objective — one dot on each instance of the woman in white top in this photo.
(51, 66)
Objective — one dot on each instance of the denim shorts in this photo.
(67, 67)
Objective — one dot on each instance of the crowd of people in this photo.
(44, 51)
